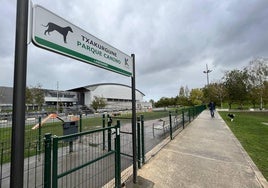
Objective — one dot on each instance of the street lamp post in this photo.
(207, 71)
(57, 97)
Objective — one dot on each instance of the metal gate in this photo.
(85, 161)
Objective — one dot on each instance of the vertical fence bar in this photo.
(55, 162)
(142, 140)
(176, 123)
(47, 167)
(80, 127)
(39, 135)
(182, 118)
(189, 114)
(117, 157)
(170, 125)
(109, 133)
(139, 142)
(28, 166)
(37, 158)
(1, 170)
(103, 132)
(80, 123)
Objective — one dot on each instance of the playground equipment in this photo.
(54, 116)
(69, 127)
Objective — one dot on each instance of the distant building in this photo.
(6, 98)
(63, 98)
(116, 96)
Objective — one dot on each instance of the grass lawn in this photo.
(251, 129)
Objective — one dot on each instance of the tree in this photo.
(220, 92)
(98, 102)
(265, 93)
(257, 73)
(186, 91)
(196, 96)
(163, 102)
(38, 95)
(182, 100)
(29, 97)
(35, 96)
(214, 92)
(237, 87)
(152, 102)
(181, 92)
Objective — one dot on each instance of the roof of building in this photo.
(6, 93)
(87, 88)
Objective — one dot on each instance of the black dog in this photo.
(231, 116)
(62, 30)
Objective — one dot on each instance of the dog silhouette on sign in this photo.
(54, 27)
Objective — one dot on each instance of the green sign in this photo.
(56, 34)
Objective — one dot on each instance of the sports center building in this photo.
(116, 96)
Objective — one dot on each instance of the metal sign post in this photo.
(53, 33)
(18, 115)
(134, 137)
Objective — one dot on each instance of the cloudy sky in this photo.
(172, 40)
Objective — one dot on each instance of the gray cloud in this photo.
(172, 40)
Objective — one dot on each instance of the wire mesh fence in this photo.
(83, 162)
(154, 127)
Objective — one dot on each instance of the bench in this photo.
(177, 121)
(161, 125)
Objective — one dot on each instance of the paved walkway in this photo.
(206, 154)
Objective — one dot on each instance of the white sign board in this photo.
(56, 34)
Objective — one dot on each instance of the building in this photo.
(6, 98)
(116, 96)
(60, 98)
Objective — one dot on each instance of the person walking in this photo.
(211, 107)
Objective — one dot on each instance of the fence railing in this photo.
(169, 124)
(85, 164)
(79, 160)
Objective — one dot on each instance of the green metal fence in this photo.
(82, 162)
(90, 158)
